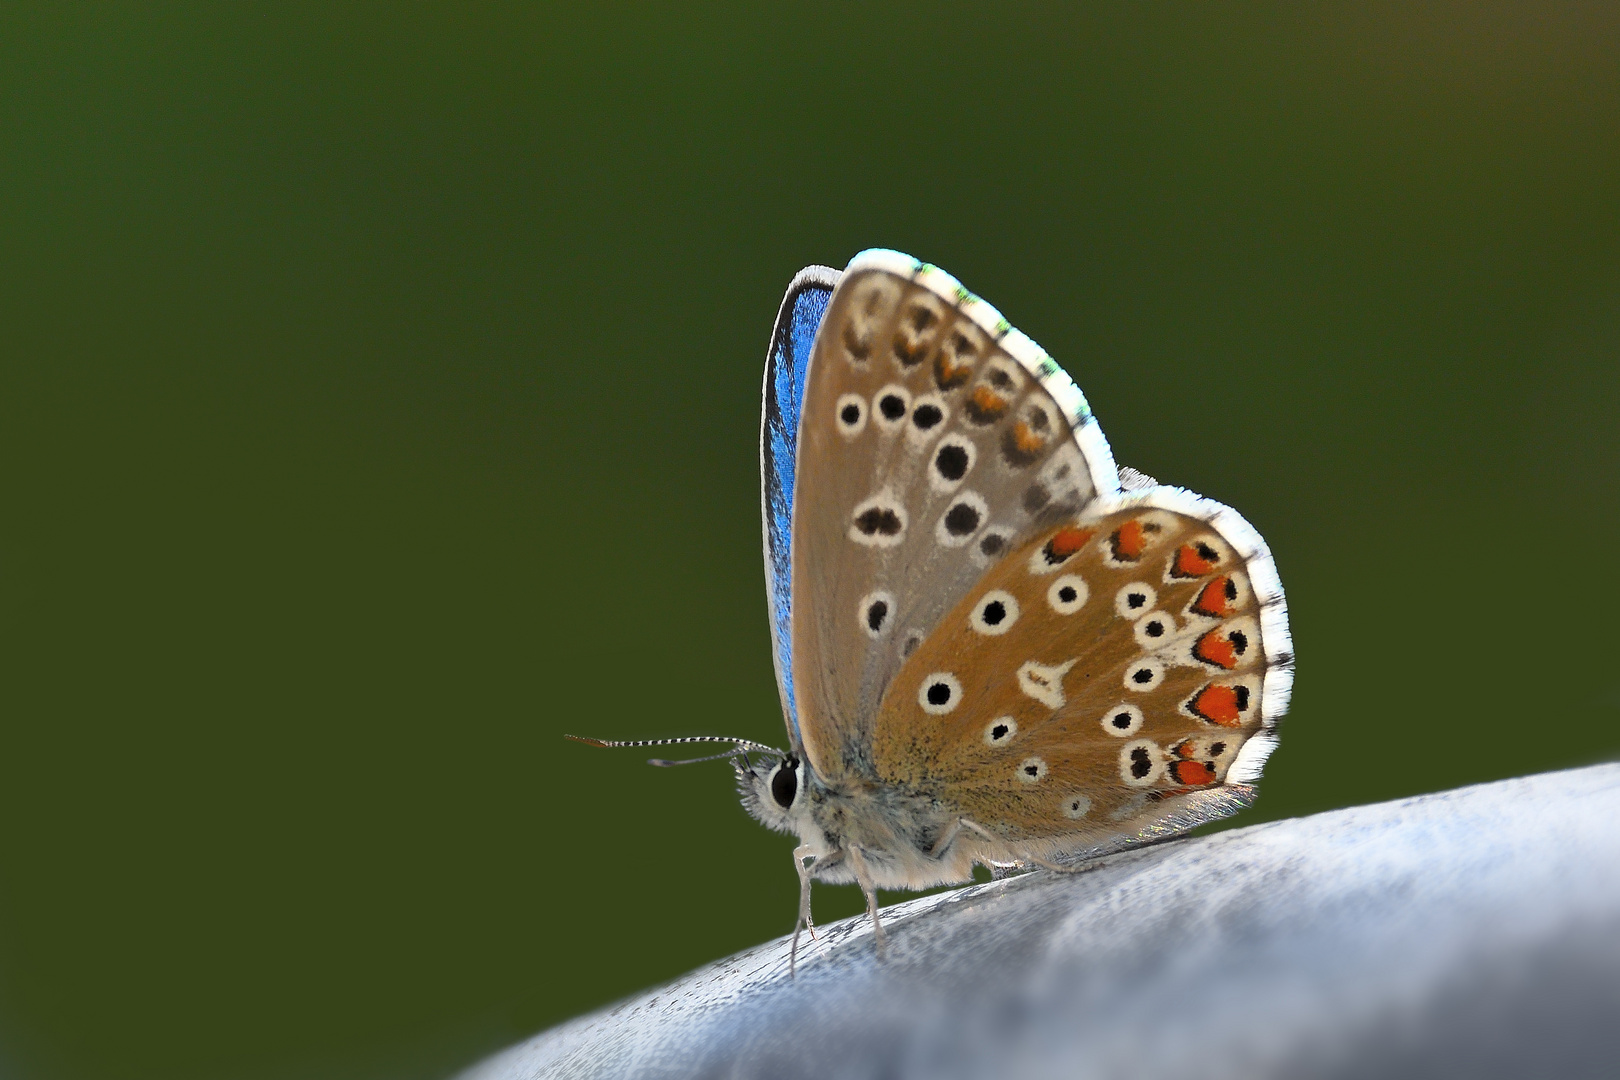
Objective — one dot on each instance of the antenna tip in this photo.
(586, 740)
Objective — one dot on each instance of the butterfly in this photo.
(993, 646)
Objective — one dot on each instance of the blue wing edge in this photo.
(786, 364)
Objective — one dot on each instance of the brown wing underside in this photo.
(1103, 676)
(926, 452)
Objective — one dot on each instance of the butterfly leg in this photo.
(800, 854)
(803, 922)
(945, 840)
(863, 877)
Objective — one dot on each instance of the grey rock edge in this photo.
(1474, 932)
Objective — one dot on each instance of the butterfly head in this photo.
(777, 794)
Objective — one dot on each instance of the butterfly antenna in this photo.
(741, 747)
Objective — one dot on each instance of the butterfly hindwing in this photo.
(934, 441)
(1115, 676)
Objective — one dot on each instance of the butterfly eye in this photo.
(890, 405)
(1141, 763)
(1122, 720)
(999, 732)
(1144, 675)
(851, 412)
(1135, 600)
(875, 611)
(1153, 629)
(1076, 807)
(995, 614)
(785, 782)
(939, 693)
(1067, 594)
(1032, 770)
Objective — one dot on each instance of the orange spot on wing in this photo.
(1066, 541)
(948, 373)
(1213, 599)
(1026, 440)
(1192, 773)
(1221, 705)
(1217, 647)
(988, 401)
(1129, 541)
(1191, 562)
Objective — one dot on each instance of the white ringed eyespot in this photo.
(1144, 674)
(1067, 594)
(995, 613)
(1141, 763)
(939, 693)
(851, 414)
(1123, 720)
(1000, 731)
(1154, 629)
(875, 612)
(1134, 600)
(1032, 770)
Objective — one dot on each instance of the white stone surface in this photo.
(1470, 933)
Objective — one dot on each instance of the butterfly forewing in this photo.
(939, 441)
(1113, 674)
(787, 364)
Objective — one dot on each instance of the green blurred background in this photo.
(380, 401)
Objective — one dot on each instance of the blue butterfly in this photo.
(993, 646)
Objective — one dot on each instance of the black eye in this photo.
(785, 783)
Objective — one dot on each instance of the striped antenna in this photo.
(738, 746)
